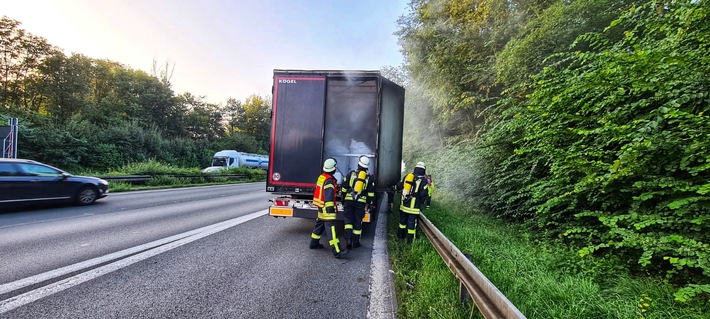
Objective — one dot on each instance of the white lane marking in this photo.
(92, 262)
(164, 245)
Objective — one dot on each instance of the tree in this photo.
(157, 102)
(254, 118)
(163, 74)
(232, 114)
(551, 32)
(201, 120)
(66, 84)
(20, 56)
(451, 49)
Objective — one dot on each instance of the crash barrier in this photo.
(145, 178)
(489, 300)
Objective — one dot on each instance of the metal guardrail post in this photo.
(489, 300)
(464, 295)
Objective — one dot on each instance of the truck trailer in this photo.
(339, 114)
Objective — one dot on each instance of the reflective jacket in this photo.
(366, 196)
(324, 196)
(412, 203)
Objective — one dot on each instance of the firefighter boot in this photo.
(356, 242)
(348, 243)
(340, 254)
(315, 244)
(401, 232)
(410, 238)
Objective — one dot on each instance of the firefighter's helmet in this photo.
(364, 162)
(421, 165)
(329, 165)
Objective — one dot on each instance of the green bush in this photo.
(542, 279)
(153, 167)
(610, 151)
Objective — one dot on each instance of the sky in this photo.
(220, 48)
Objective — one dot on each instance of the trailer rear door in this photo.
(296, 132)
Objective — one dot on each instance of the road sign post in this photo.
(9, 138)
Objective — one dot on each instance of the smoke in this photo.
(423, 133)
(351, 120)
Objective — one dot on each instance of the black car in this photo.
(24, 182)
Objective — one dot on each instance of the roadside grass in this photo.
(117, 187)
(542, 280)
(152, 167)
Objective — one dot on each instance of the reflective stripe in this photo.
(314, 236)
(334, 242)
(411, 231)
(402, 226)
(357, 232)
(348, 226)
(324, 215)
(409, 203)
(324, 197)
(409, 210)
(319, 192)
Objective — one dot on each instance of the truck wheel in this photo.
(86, 196)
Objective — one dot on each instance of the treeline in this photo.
(80, 113)
(586, 120)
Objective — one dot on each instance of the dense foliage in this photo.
(81, 113)
(597, 132)
(542, 279)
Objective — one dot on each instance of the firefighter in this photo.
(324, 199)
(431, 190)
(358, 192)
(415, 193)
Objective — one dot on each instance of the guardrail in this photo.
(144, 178)
(489, 300)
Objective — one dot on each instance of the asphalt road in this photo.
(207, 252)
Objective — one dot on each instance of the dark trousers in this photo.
(408, 223)
(329, 228)
(354, 212)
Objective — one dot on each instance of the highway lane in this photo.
(255, 269)
(35, 241)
